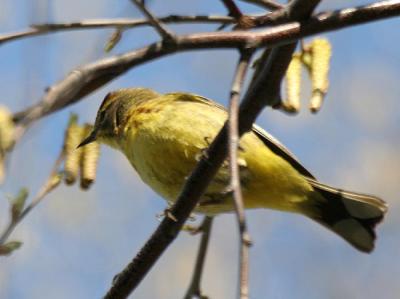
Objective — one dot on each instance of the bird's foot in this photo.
(166, 213)
(193, 229)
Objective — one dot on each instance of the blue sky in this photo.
(75, 242)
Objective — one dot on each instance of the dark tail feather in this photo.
(352, 216)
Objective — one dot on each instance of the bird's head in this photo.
(113, 113)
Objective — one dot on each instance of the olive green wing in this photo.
(278, 148)
(271, 142)
(191, 97)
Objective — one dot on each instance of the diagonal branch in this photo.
(233, 142)
(268, 4)
(161, 29)
(233, 9)
(194, 289)
(50, 184)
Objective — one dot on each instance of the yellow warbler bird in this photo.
(163, 136)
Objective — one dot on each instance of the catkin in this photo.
(6, 137)
(293, 85)
(321, 54)
(73, 136)
(6, 129)
(90, 156)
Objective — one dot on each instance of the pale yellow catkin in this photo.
(293, 85)
(306, 58)
(321, 52)
(73, 136)
(89, 159)
(7, 129)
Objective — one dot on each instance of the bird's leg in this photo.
(215, 198)
(194, 229)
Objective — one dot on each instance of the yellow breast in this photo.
(163, 142)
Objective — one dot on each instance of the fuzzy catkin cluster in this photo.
(315, 57)
(7, 129)
(321, 55)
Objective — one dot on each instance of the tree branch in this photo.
(161, 29)
(244, 239)
(90, 77)
(40, 29)
(335, 20)
(233, 9)
(51, 183)
(194, 289)
(268, 4)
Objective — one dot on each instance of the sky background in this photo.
(75, 241)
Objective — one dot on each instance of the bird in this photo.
(163, 136)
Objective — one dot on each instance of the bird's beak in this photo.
(92, 137)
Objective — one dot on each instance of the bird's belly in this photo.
(165, 164)
(161, 164)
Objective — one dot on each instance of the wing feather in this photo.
(270, 141)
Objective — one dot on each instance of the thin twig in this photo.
(154, 21)
(47, 187)
(293, 12)
(233, 142)
(39, 29)
(194, 289)
(233, 9)
(268, 4)
(243, 21)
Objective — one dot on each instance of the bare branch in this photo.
(234, 11)
(233, 141)
(265, 85)
(268, 4)
(161, 29)
(40, 29)
(323, 22)
(51, 182)
(194, 289)
(90, 77)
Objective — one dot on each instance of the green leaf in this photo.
(113, 41)
(8, 248)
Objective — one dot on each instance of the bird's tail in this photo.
(352, 216)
